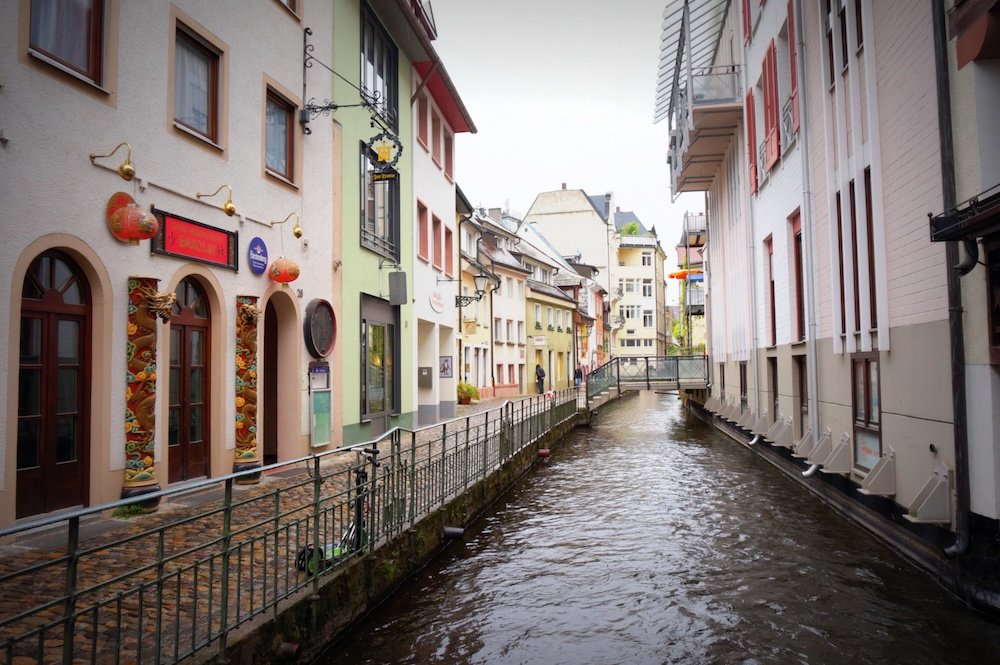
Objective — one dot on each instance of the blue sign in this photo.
(257, 256)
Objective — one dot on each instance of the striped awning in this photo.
(706, 20)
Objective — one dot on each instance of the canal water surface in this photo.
(651, 538)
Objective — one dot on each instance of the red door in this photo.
(187, 427)
(52, 402)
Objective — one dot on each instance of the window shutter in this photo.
(793, 67)
(772, 149)
(746, 21)
(751, 142)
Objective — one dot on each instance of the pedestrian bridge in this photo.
(646, 373)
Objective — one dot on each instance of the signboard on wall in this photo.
(538, 340)
(188, 239)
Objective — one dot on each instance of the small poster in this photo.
(446, 370)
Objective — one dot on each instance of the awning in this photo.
(690, 274)
(976, 218)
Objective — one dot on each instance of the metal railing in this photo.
(647, 372)
(170, 584)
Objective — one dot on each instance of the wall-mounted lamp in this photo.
(228, 207)
(297, 229)
(480, 281)
(126, 170)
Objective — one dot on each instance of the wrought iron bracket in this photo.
(462, 301)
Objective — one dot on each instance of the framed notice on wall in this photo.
(446, 369)
(320, 430)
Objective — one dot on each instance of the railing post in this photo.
(159, 594)
(444, 443)
(413, 477)
(69, 621)
(647, 372)
(227, 519)
(618, 376)
(317, 481)
(465, 470)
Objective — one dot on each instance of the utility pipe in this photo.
(806, 216)
(755, 440)
(955, 328)
(808, 473)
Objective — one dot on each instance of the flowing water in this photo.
(652, 538)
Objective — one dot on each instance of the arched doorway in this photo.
(278, 371)
(53, 443)
(187, 428)
(269, 373)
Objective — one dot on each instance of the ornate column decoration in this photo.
(247, 451)
(145, 304)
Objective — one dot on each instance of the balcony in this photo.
(705, 119)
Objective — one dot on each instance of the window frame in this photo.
(387, 244)
(196, 40)
(422, 110)
(423, 245)
(449, 251)
(375, 36)
(872, 402)
(799, 276)
(273, 95)
(96, 49)
(437, 242)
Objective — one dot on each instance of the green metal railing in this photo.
(178, 581)
(636, 372)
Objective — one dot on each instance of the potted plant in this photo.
(467, 392)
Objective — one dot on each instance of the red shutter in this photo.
(792, 55)
(772, 148)
(751, 142)
(746, 21)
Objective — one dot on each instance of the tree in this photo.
(631, 229)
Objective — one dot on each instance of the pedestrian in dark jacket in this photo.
(540, 379)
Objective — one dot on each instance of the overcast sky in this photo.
(561, 91)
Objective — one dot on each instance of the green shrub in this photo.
(467, 392)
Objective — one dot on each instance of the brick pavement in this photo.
(269, 525)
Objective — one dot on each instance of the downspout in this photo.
(955, 328)
(753, 266)
(812, 363)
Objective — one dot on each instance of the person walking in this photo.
(578, 376)
(540, 379)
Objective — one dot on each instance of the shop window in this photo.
(867, 410)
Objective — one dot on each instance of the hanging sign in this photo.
(386, 150)
(257, 256)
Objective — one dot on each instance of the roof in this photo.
(601, 204)
(549, 290)
(626, 216)
(706, 21)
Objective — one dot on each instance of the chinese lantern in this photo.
(128, 222)
(284, 270)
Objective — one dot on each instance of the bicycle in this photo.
(312, 559)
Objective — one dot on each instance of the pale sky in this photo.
(561, 91)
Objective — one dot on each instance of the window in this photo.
(844, 52)
(629, 311)
(378, 68)
(449, 251)
(510, 331)
(869, 224)
(422, 120)
(647, 288)
(548, 317)
(436, 137)
(722, 380)
(196, 85)
(647, 258)
(751, 132)
(743, 385)
(423, 244)
(70, 33)
(380, 379)
(449, 155)
(772, 318)
(859, 28)
(800, 305)
(854, 259)
(772, 111)
(520, 332)
(436, 241)
(379, 210)
(840, 266)
(520, 290)
(867, 410)
(747, 25)
(991, 246)
(510, 287)
(772, 380)
(828, 26)
(538, 317)
(279, 143)
(497, 329)
(631, 285)
(802, 412)
(647, 318)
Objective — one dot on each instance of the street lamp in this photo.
(480, 281)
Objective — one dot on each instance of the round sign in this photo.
(320, 328)
(257, 256)
(437, 301)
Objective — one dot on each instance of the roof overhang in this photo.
(706, 19)
(445, 95)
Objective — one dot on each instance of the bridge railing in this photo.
(175, 583)
(646, 371)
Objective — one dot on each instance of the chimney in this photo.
(564, 185)
(496, 214)
(618, 208)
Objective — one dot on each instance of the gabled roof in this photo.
(624, 217)
(549, 290)
(601, 204)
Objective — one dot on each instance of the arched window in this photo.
(187, 420)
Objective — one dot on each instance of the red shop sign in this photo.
(193, 240)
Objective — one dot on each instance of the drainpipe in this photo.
(960, 427)
(753, 269)
(809, 247)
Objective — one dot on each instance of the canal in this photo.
(652, 538)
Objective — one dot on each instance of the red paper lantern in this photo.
(128, 222)
(284, 270)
